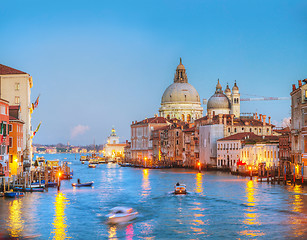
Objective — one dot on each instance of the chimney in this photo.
(299, 83)
(270, 120)
(293, 87)
(260, 117)
(220, 118)
(264, 117)
(232, 119)
(256, 116)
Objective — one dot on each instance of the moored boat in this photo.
(21, 189)
(12, 194)
(92, 165)
(87, 184)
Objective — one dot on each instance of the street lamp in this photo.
(250, 172)
(145, 158)
(199, 167)
(59, 183)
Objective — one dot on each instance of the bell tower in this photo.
(235, 101)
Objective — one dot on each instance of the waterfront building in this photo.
(113, 148)
(224, 103)
(227, 125)
(127, 151)
(15, 141)
(15, 86)
(247, 149)
(181, 100)
(141, 141)
(4, 139)
(284, 145)
(299, 123)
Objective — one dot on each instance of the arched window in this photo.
(168, 117)
(189, 118)
(182, 117)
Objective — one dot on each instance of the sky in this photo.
(103, 64)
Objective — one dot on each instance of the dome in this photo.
(180, 92)
(227, 90)
(218, 101)
(235, 87)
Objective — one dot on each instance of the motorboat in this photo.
(12, 194)
(180, 189)
(87, 184)
(92, 165)
(121, 214)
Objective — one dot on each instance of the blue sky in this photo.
(99, 64)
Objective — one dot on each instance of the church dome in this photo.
(218, 101)
(180, 92)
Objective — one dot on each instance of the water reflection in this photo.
(112, 232)
(15, 221)
(250, 214)
(199, 183)
(146, 184)
(129, 232)
(59, 221)
(297, 205)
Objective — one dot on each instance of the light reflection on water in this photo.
(219, 206)
(15, 220)
(251, 214)
(59, 223)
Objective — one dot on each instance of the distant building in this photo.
(15, 141)
(113, 148)
(127, 151)
(4, 138)
(181, 100)
(15, 86)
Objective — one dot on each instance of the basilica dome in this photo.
(180, 92)
(181, 100)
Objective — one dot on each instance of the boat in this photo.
(121, 214)
(84, 158)
(37, 185)
(82, 162)
(88, 184)
(92, 165)
(21, 189)
(180, 189)
(49, 184)
(12, 194)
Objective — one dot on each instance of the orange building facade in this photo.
(15, 146)
(4, 139)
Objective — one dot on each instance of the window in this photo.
(228, 129)
(267, 130)
(235, 130)
(177, 142)
(17, 86)
(10, 127)
(250, 130)
(260, 130)
(177, 134)
(17, 100)
(11, 142)
(242, 129)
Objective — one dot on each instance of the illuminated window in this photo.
(17, 100)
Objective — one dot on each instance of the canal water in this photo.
(219, 206)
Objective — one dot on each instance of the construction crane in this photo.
(264, 99)
(257, 99)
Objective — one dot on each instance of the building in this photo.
(15, 141)
(127, 151)
(15, 86)
(113, 148)
(141, 140)
(4, 139)
(181, 100)
(299, 123)
(284, 145)
(224, 103)
(247, 149)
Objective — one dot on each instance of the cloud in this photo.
(78, 130)
(284, 123)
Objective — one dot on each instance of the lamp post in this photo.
(145, 158)
(250, 173)
(199, 167)
(59, 183)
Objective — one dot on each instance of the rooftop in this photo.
(5, 70)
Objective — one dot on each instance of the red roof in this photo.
(249, 136)
(152, 120)
(5, 70)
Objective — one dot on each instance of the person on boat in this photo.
(177, 184)
(78, 181)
